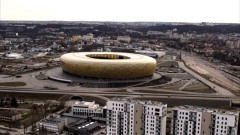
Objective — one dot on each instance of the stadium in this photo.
(105, 69)
(108, 65)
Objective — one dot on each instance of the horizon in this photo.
(168, 11)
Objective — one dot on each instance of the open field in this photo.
(197, 86)
(173, 86)
(169, 67)
(168, 64)
(31, 96)
(12, 84)
(181, 85)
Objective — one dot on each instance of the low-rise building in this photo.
(88, 37)
(84, 128)
(125, 39)
(88, 109)
(52, 125)
(9, 114)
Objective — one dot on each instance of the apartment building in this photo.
(135, 117)
(189, 120)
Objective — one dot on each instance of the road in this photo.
(217, 88)
(211, 70)
(171, 99)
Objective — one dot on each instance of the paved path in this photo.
(215, 87)
(186, 84)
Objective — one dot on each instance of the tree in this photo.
(1, 102)
(14, 102)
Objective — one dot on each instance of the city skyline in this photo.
(124, 11)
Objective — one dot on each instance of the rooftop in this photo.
(210, 110)
(85, 104)
(138, 101)
(53, 121)
(89, 125)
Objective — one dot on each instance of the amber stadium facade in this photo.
(108, 65)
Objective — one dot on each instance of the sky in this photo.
(216, 11)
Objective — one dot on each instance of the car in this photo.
(18, 76)
(103, 126)
(50, 87)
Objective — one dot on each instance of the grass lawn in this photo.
(12, 84)
(31, 96)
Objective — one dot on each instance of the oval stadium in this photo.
(108, 65)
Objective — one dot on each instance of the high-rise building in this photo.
(135, 117)
(189, 120)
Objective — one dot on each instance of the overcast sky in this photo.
(224, 11)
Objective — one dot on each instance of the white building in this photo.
(99, 40)
(134, 117)
(125, 39)
(233, 44)
(52, 125)
(88, 37)
(189, 120)
(87, 109)
(14, 56)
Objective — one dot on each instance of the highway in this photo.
(124, 94)
(217, 88)
(216, 101)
